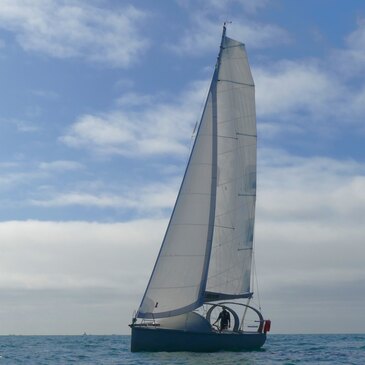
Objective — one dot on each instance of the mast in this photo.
(202, 293)
(207, 247)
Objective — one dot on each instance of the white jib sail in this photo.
(178, 280)
(212, 224)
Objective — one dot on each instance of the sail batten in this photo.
(207, 249)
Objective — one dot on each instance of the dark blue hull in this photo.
(161, 339)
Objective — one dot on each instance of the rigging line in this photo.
(193, 136)
(254, 279)
(236, 82)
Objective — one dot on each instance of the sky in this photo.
(98, 102)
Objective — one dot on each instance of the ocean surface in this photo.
(105, 350)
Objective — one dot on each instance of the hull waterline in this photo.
(161, 339)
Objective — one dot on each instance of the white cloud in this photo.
(306, 96)
(133, 99)
(47, 255)
(16, 174)
(19, 177)
(143, 199)
(248, 6)
(66, 29)
(207, 18)
(22, 126)
(303, 188)
(152, 128)
(206, 35)
(351, 59)
(309, 240)
(309, 254)
(60, 165)
(78, 268)
(291, 87)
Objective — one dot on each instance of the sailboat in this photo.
(205, 261)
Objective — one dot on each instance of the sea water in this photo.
(107, 350)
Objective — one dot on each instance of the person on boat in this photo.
(225, 319)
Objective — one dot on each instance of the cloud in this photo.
(161, 127)
(147, 199)
(306, 96)
(309, 240)
(60, 166)
(313, 186)
(15, 174)
(207, 34)
(291, 87)
(76, 268)
(219, 5)
(47, 255)
(19, 176)
(309, 254)
(67, 29)
(21, 125)
(351, 59)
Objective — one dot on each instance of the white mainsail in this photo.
(207, 249)
(230, 263)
